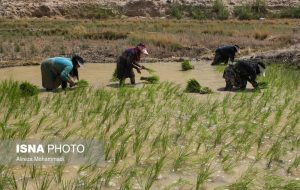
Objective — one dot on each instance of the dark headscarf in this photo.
(75, 61)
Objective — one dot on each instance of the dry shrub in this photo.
(261, 35)
(158, 39)
(214, 32)
(78, 30)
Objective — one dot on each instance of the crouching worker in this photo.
(245, 70)
(129, 61)
(58, 71)
(223, 54)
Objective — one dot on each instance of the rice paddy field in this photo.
(155, 136)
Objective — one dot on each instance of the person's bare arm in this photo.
(71, 81)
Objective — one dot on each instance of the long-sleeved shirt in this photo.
(132, 56)
(63, 66)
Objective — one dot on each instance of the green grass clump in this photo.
(177, 11)
(82, 83)
(185, 65)
(193, 86)
(250, 11)
(220, 10)
(291, 12)
(28, 89)
(153, 79)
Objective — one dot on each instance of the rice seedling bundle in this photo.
(82, 83)
(28, 89)
(153, 79)
(185, 65)
(151, 71)
(193, 86)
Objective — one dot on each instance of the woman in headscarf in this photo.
(129, 61)
(58, 71)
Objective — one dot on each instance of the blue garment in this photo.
(63, 65)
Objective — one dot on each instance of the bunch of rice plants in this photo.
(28, 89)
(82, 83)
(151, 71)
(153, 79)
(205, 90)
(193, 86)
(185, 65)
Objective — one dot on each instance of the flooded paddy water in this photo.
(99, 75)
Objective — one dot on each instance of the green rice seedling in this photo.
(154, 171)
(82, 84)
(43, 118)
(277, 182)
(127, 183)
(185, 65)
(244, 182)
(295, 164)
(121, 152)
(193, 86)
(59, 174)
(180, 159)
(205, 90)
(151, 71)
(24, 182)
(108, 174)
(202, 176)
(12, 182)
(23, 129)
(263, 85)
(67, 185)
(28, 89)
(274, 152)
(43, 183)
(153, 79)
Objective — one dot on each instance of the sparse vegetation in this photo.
(164, 38)
(255, 10)
(219, 9)
(291, 12)
(261, 35)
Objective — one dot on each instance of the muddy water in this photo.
(99, 75)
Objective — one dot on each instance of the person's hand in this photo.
(139, 71)
(72, 83)
(143, 67)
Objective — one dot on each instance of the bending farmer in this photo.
(223, 54)
(242, 72)
(129, 60)
(58, 71)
